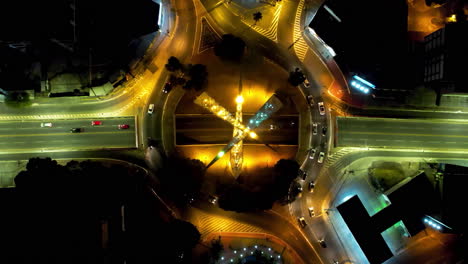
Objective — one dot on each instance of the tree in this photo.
(216, 248)
(230, 48)
(238, 198)
(257, 16)
(198, 74)
(296, 77)
(183, 177)
(173, 64)
(284, 173)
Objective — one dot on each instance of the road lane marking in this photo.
(400, 134)
(69, 133)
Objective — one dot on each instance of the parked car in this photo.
(312, 153)
(306, 82)
(321, 157)
(311, 211)
(76, 130)
(151, 109)
(321, 108)
(124, 126)
(311, 186)
(314, 128)
(324, 131)
(310, 100)
(302, 222)
(302, 174)
(96, 123)
(46, 124)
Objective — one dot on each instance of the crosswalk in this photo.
(300, 46)
(207, 224)
(272, 30)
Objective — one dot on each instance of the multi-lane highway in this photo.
(401, 133)
(47, 135)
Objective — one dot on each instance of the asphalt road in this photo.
(23, 136)
(401, 133)
(209, 129)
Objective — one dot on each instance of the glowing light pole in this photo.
(237, 155)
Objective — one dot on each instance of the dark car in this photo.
(302, 174)
(302, 222)
(324, 131)
(167, 87)
(76, 130)
(322, 243)
(311, 186)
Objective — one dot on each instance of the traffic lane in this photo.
(121, 139)
(402, 140)
(31, 127)
(392, 125)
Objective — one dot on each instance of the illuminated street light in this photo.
(239, 99)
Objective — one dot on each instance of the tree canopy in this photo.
(230, 48)
(183, 178)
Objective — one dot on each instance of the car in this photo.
(302, 174)
(76, 130)
(150, 109)
(311, 211)
(322, 243)
(310, 100)
(321, 108)
(124, 126)
(167, 87)
(273, 127)
(312, 153)
(96, 123)
(212, 199)
(302, 222)
(324, 131)
(321, 157)
(311, 186)
(46, 124)
(306, 82)
(314, 128)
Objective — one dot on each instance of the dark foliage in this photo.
(238, 198)
(57, 214)
(173, 64)
(183, 177)
(296, 77)
(230, 48)
(216, 248)
(198, 77)
(284, 172)
(257, 16)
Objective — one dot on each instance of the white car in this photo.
(321, 157)
(150, 109)
(314, 128)
(311, 211)
(312, 153)
(46, 124)
(321, 108)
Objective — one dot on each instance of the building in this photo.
(370, 40)
(445, 54)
